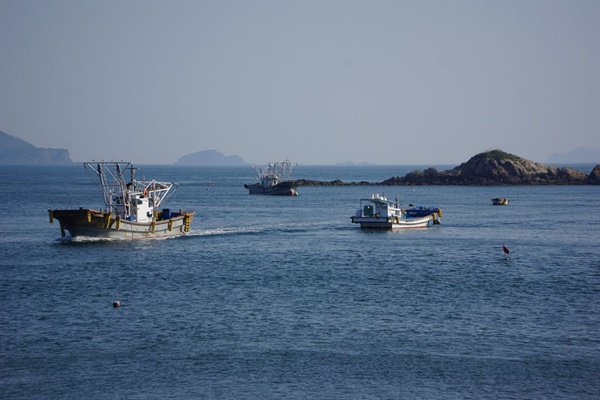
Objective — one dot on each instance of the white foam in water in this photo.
(223, 231)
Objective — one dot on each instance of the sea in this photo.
(285, 298)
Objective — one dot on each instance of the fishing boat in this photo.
(275, 179)
(500, 201)
(422, 211)
(377, 212)
(132, 208)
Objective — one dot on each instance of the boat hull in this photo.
(392, 223)
(97, 224)
(287, 188)
(420, 211)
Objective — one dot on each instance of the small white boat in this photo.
(132, 208)
(275, 179)
(500, 201)
(377, 212)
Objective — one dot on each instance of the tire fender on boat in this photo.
(107, 223)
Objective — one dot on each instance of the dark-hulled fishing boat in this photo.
(132, 208)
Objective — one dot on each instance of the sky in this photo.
(384, 82)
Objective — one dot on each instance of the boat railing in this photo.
(114, 186)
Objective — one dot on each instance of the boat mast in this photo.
(286, 168)
(122, 187)
(111, 182)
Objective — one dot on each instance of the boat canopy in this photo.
(135, 199)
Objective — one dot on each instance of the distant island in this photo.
(211, 158)
(17, 151)
(579, 155)
(492, 168)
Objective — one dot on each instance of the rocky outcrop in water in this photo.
(492, 168)
(337, 182)
(594, 176)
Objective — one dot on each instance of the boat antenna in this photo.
(132, 173)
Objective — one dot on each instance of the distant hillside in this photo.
(16, 151)
(579, 155)
(210, 158)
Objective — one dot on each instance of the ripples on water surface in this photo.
(285, 298)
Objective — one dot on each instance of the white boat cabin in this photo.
(140, 208)
(379, 206)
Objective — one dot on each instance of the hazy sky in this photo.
(387, 82)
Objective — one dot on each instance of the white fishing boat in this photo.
(275, 179)
(132, 208)
(377, 212)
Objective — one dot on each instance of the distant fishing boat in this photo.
(131, 207)
(500, 201)
(377, 212)
(275, 179)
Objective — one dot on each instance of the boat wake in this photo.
(298, 227)
(192, 233)
(90, 239)
(225, 231)
(86, 239)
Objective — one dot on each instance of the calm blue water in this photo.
(284, 298)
